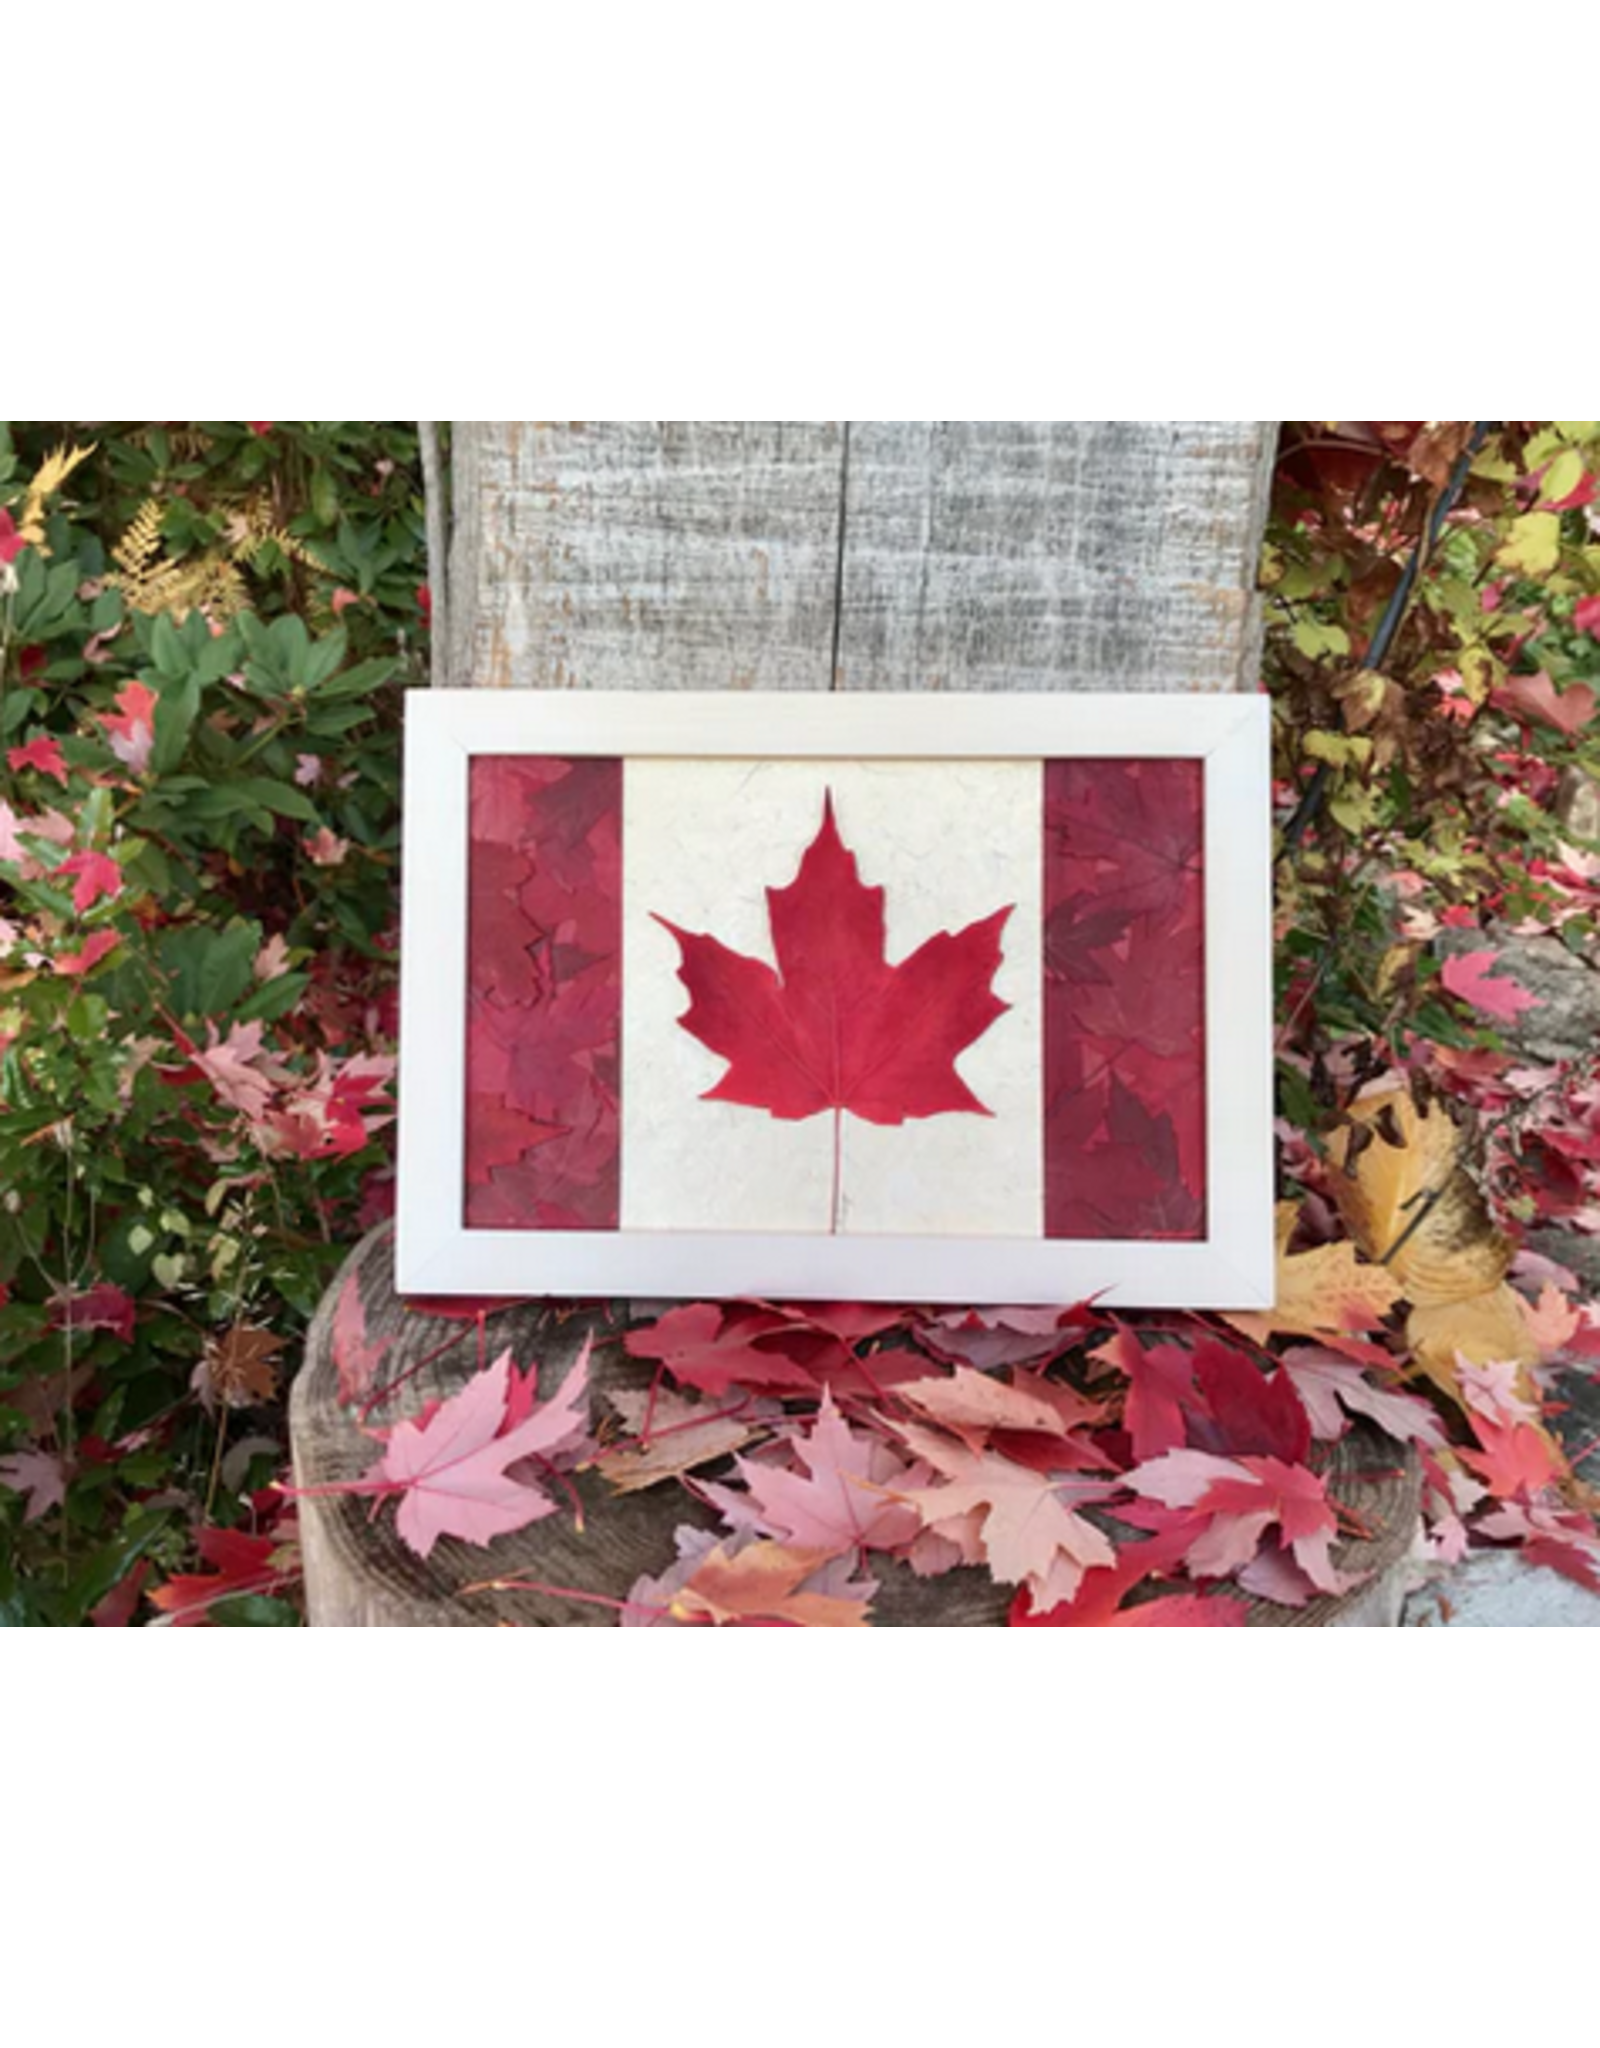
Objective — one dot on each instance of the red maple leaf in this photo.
(834, 1026)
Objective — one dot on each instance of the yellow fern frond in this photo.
(53, 473)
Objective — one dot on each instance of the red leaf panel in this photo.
(544, 993)
(1124, 1000)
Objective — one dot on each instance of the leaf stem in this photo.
(838, 1170)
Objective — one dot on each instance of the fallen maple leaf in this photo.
(241, 1563)
(1332, 1387)
(1017, 1521)
(451, 1470)
(1467, 975)
(835, 1026)
(704, 1347)
(672, 1433)
(1235, 1501)
(841, 1500)
(1320, 1292)
(355, 1358)
(1535, 698)
(761, 1585)
(975, 1404)
(38, 1474)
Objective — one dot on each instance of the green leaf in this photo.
(105, 1568)
(274, 999)
(253, 1610)
(175, 713)
(209, 970)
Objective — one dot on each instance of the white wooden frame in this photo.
(1232, 1267)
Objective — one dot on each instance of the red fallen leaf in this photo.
(1247, 1414)
(835, 1026)
(42, 753)
(97, 875)
(1586, 615)
(1169, 1610)
(241, 1563)
(1518, 1461)
(93, 950)
(120, 1605)
(1231, 1503)
(1467, 975)
(355, 1359)
(452, 1470)
(987, 1338)
(705, 1348)
(1160, 1392)
(1536, 699)
(101, 1307)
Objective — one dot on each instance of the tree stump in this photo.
(738, 554)
(359, 1573)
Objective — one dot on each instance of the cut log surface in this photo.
(359, 1573)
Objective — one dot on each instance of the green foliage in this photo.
(205, 630)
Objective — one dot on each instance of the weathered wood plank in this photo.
(1052, 554)
(645, 554)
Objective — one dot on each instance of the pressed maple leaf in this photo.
(1018, 1521)
(834, 1026)
(763, 1585)
(452, 1470)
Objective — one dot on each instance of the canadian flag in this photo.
(908, 997)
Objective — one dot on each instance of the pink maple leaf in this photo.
(1586, 615)
(101, 1307)
(11, 541)
(1467, 975)
(1334, 1388)
(356, 1358)
(38, 1474)
(840, 1500)
(1536, 700)
(453, 1469)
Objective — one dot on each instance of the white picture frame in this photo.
(1231, 1267)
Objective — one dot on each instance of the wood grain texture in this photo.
(359, 1574)
(645, 554)
(922, 554)
(1053, 554)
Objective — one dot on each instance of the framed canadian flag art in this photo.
(909, 997)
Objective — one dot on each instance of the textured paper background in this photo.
(950, 841)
